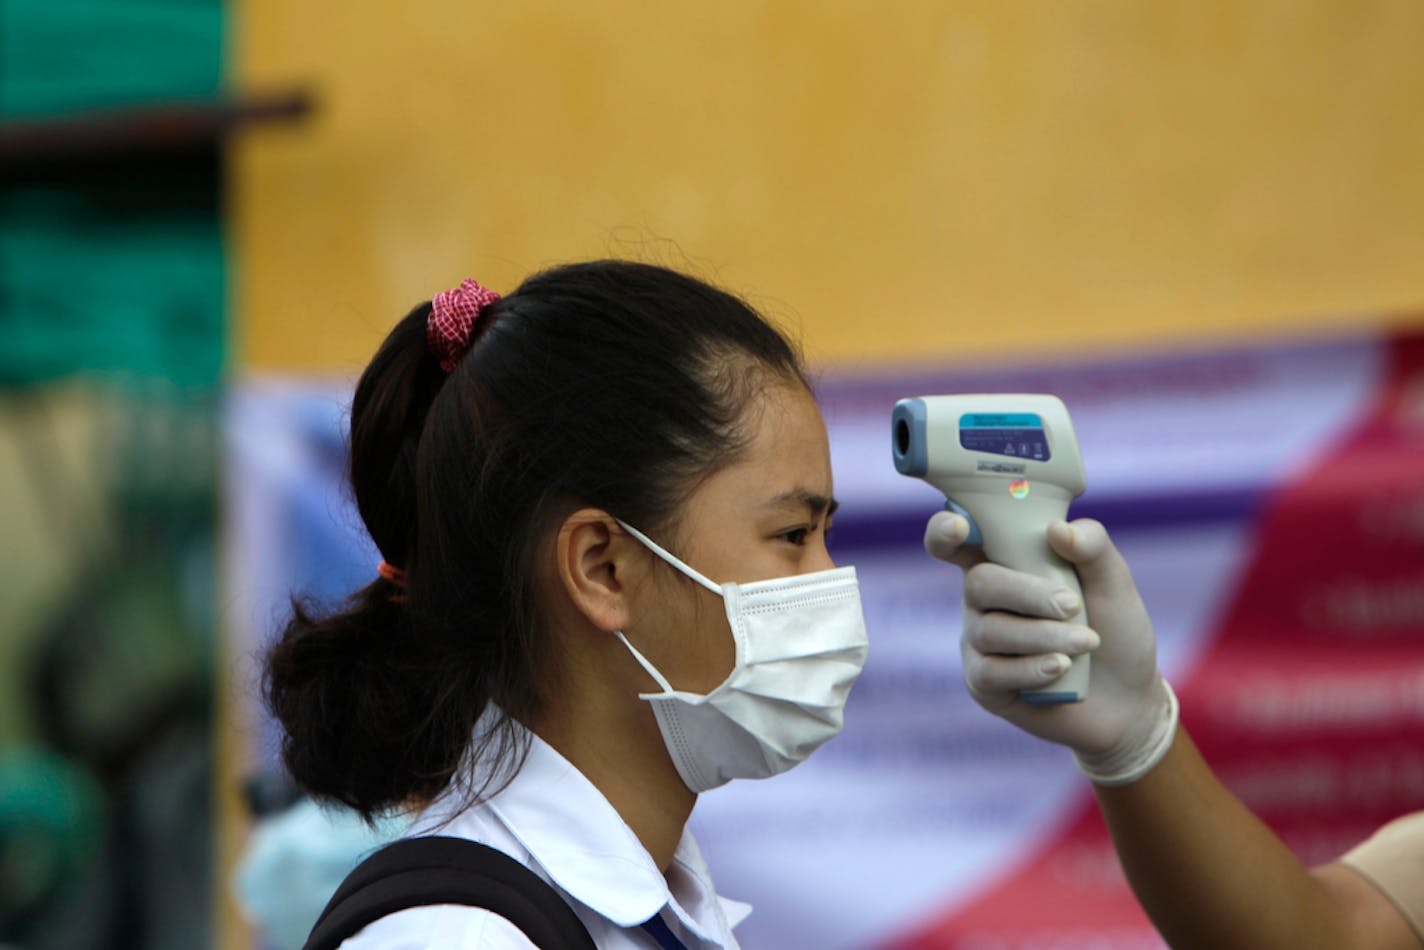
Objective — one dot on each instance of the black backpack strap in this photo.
(415, 872)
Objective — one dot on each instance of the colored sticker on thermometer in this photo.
(1018, 488)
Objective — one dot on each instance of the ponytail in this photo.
(353, 688)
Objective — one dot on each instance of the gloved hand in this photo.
(1016, 637)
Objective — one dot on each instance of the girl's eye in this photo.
(796, 536)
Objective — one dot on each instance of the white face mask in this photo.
(800, 645)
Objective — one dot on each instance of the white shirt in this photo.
(554, 821)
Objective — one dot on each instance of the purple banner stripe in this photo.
(854, 531)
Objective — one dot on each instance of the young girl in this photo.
(601, 503)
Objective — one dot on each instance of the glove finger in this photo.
(1086, 545)
(1009, 674)
(944, 539)
(989, 586)
(1011, 635)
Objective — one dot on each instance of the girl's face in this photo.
(763, 517)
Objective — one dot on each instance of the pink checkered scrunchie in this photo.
(452, 318)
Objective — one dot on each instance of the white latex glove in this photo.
(1015, 637)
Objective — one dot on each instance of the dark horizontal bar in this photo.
(98, 135)
(900, 527)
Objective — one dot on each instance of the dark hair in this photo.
(608, 384)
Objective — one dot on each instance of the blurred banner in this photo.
(1271, 502)
(114, 319)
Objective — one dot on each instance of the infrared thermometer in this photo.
(1009, 464)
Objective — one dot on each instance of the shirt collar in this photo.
(579, 839)
(581, 842)
(734, 911)
(699, 903)
(586, 848)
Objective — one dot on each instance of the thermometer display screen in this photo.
(1017, 435)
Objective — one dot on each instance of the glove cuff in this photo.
(1137, 756)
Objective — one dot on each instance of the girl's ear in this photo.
(598, 565)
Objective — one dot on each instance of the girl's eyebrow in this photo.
(801, 498)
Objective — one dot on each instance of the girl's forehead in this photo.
(787, 450)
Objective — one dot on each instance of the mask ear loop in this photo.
(645, 664)
(682, 567)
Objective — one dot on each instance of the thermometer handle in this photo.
(1015, 534)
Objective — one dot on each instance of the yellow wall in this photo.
(897, 177)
